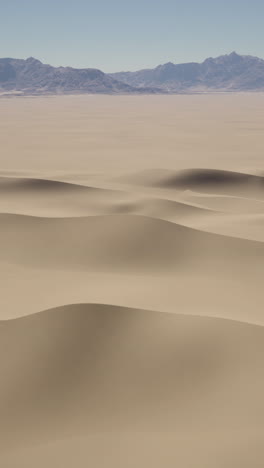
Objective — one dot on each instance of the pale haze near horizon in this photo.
(122, 35)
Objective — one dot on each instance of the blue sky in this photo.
(128, 35)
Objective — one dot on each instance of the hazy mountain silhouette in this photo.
(33, 77)
(231, 72)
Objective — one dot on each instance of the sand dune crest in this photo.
(118, 242)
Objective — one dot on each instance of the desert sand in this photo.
(131, 269)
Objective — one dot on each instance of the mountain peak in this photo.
(234, 54)
(32, 59)
(234, 57)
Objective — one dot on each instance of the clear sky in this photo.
(116, 35)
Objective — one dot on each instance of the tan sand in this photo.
(131, 270)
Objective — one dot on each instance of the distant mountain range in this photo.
(227, 73)
(33, 77)
(231, 72)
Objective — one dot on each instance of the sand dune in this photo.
(119, 243)
(214, 180)
(12, 184)
(131, 272)
(169, 210)
(224, 203)
(241, 226)
(47, 197)
(84, 369)
(203, 180)
(216, 292)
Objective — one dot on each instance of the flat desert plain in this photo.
(131, 270)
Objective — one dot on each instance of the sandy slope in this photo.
(86, 369)
(120, 243)
(131, 271)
